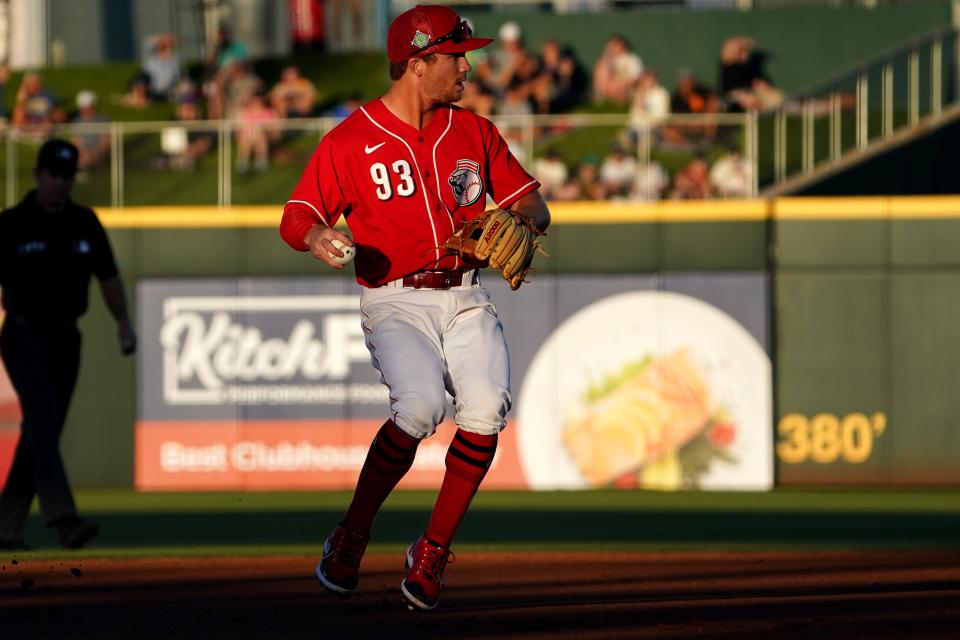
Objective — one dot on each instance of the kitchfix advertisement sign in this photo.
(627, 381)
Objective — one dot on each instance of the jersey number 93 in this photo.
(385, 187)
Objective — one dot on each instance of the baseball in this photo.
(349, 251)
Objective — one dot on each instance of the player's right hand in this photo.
(318, 241)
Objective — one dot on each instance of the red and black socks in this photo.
(468, 460)
(390, 457)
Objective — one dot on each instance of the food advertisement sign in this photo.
(627, 381)
(648, 389)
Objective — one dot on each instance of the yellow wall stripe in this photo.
(841, 208)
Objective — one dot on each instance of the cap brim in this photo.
(458, 47)
(60, 168)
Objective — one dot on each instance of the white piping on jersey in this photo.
(500, 205)
(456, 264)
(322, 217)
(423, 186)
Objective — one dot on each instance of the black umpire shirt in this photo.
(46, 260)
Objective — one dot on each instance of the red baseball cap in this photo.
(427, 29)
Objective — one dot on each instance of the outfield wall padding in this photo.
(864, 295)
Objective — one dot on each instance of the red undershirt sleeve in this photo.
(317, 198)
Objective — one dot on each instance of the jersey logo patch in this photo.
(368, 149)
(466, 183)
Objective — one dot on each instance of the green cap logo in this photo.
(420, 40)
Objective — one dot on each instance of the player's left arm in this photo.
(533, 207)
(116, 299)
(111, 285)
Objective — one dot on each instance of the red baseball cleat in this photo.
(339, 569)
(426, 562)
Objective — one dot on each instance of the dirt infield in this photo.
(502, 595)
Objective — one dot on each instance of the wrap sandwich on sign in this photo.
(648, 414)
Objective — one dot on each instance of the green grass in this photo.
(158, 524)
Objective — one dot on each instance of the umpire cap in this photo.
(58, 156)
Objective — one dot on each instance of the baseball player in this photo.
(49, 248)
(407, 170)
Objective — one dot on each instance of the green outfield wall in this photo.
(864, 296)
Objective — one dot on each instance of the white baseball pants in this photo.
(429, 342)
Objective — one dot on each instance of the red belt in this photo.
(433, 279)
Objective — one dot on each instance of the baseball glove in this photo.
(501, 239)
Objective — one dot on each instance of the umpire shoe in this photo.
(75, 532)
(339, 569)
(426, 562)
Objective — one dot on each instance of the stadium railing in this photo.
(839, 121)
(148, 163)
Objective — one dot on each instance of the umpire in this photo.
(49, 247)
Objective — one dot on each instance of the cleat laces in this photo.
(432, 561)
(347, 547)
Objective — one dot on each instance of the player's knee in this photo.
(420, 415)
(480, 427)
(484, 411)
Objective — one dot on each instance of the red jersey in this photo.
(403, 191)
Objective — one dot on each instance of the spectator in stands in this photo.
(551, 171)
(693, 181)
(618, 173)
(482, 73)
(507, 59)
(744, 83)
(652, 182)
(225, 50)
(588, 175)
(569, 191)
(477, 99)
(158, 75)
(342, 109)
(294, 95)
(183, 147)
(731, 176)
(616, 72)
(138, 93)
(185, 91)
(691, 97)
(650, 104)
(161, 66)
(562, 82)
(516, 100)
(528, 71)
(239, 83)
(93, 145)
(36, 107)
(226, 56)
(584, 184)
(256, 130)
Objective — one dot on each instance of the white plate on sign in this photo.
(599, 340)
